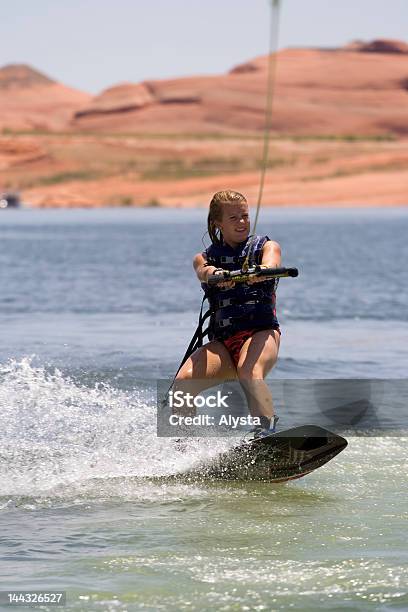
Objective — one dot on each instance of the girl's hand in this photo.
(256, 279)
(226, 284)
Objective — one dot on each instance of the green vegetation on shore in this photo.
(178, 169)
(385, 137)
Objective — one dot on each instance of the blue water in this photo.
(94, 307)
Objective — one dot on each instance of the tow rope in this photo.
(270, 91)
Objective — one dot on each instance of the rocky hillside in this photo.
(29, 100)
(359, 89)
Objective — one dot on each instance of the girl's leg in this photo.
(208, 366)
(257, 357)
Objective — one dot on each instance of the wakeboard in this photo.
(279, 457)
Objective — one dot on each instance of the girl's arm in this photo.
(201, 268)
(271, 254)
(203, 271)
(271, 258)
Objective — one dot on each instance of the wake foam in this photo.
(57, 433)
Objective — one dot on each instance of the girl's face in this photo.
(235, 223)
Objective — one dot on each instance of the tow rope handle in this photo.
(241, 276)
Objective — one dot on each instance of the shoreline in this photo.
(99, 171)
(204, 207)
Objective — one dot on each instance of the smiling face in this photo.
(234, 224)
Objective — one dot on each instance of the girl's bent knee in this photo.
(253, 373)
(184, 375)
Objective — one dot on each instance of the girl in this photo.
(244, 331)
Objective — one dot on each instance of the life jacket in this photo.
(243, 306)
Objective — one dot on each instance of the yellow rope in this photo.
(272, 62)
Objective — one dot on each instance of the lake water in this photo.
(95, 306)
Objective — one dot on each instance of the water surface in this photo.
(94, 306)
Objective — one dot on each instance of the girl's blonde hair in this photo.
(215, 212)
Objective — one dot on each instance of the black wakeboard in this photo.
(278, 457)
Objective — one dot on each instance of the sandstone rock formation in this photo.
(360, 89)
(30, 100)
(383, 45)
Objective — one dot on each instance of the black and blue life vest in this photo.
(244, 306)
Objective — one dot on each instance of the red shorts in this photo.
(235, 343)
